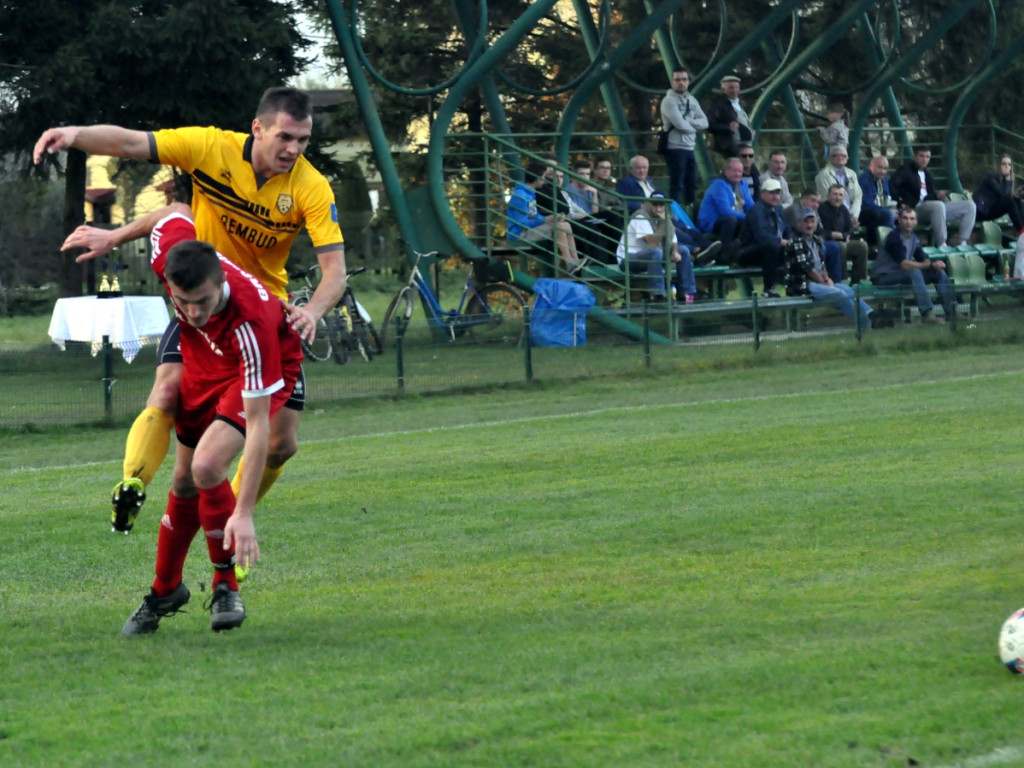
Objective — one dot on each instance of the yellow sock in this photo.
(147, 444)
(269, 477)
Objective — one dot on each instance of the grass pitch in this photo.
(801, 565)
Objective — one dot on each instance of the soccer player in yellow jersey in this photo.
(252, 194)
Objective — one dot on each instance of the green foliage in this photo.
(795, 566)
(143, 65)
(30, 216)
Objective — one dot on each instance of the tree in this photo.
(30, 211)
(130, 177)
(141, 64)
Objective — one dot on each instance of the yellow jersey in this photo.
(251, 221)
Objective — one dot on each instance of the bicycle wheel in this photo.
(400, 306)
(373, 345)
(362, 342)
(495, 314)
(322, 345)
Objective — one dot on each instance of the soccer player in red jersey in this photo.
(241, 359)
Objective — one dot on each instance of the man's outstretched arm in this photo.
(98, 242)
(110, 140)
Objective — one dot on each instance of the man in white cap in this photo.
(766, 235)
(728, 122)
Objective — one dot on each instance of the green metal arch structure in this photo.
(894, 56)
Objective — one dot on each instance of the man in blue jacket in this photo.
(766, 235)
(876, 208)
(725, 206)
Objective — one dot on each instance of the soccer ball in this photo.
(1011, 642)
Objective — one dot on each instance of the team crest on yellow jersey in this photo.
(284, 203)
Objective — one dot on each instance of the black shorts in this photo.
(297, 401)
(169, 351)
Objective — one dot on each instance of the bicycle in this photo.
(488, 310)
(347, 328)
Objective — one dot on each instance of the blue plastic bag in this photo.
(559, 313)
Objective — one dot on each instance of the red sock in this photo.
(177, 529)
(215, 507)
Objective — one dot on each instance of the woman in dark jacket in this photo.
(996, 195)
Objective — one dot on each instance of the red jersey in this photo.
(245, 349)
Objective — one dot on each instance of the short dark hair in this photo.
(581, 164)
(191, 263)
(291, 101)
(680, 69)
(809, 192)
(535, 169)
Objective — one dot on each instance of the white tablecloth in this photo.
(128, 321)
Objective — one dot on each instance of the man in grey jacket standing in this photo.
(682, 116)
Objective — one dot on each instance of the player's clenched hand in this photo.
(302, 320)
(96, 241)
(52, 141)
(241, 531)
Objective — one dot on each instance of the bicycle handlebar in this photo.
(295, 274)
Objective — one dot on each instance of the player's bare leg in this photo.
(283, 445)
(284, 429)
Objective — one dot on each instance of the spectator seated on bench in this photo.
(901, 261)
(638, 183)
(765, 236)
(528, 223)
(996, 196)
(810, 198)
(877, 205)
(914, 187)
(724, 207)
(596, 232)
(806, 274)
(838, 225)
(641, 250)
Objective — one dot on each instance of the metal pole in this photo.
(527, 347)
(856, 308)
(108, 378)
(755, 316)
(399, 358)
(647, 335)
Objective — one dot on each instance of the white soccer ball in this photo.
(1011, 642)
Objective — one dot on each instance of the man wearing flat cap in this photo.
(728, 122)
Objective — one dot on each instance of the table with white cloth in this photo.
(127, 323)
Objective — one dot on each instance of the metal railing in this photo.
(482, 168)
